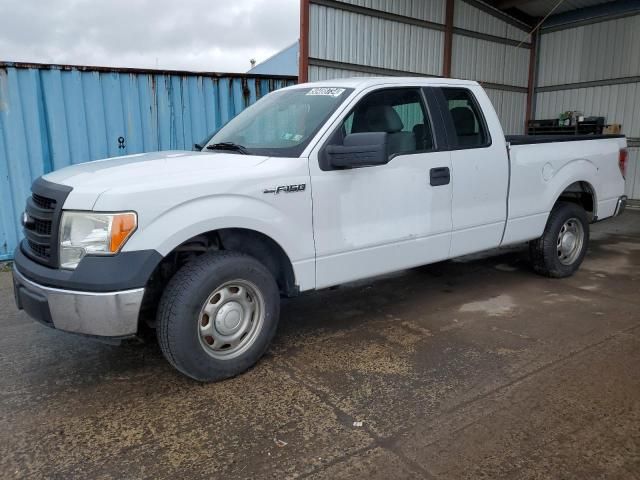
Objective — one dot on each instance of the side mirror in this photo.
(197, 147)
(359, 150)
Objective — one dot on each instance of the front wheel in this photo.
(563, 245)
(218, 315)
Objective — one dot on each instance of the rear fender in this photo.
(579, 170)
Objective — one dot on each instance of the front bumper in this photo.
(103, 314)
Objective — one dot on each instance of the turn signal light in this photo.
(121, 229)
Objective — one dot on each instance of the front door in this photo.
(373, 220)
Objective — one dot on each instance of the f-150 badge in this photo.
(286, 189)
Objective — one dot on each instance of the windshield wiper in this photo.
(228, 146)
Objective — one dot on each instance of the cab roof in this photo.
(365, 82)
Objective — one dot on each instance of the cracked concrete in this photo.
(476, 368)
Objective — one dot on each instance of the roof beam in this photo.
(504, 4)
(513, 16)
(511, 10)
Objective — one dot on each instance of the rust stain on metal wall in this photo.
(4, 103)
(246, 93)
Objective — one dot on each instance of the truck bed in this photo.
(533, 139)
(542, 167)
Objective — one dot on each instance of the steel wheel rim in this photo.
(231, 319)
(570, 241)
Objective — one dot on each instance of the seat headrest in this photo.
(464, 120)
(422, 134)
(378, 118)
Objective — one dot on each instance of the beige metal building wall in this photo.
(375, 37)
(498, 57)
(594, 67)
(349, 38)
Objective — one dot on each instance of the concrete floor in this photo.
(467, 369)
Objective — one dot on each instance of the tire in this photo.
(551, 254)
(199, 310)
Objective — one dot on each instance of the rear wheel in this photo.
(563, 245)
(218, 315)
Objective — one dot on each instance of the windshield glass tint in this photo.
(283, 122)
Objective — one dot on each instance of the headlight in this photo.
(87, 233)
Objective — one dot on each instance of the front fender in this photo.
(287, 223)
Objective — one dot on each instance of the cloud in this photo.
(218, 35)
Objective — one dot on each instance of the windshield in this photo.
(281, 124)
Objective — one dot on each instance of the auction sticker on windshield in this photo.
(328, 91)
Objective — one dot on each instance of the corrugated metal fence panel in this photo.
(325, 73)
(632, 183)
(471, 18)
(53, 117)
(598, 51)
(429, 10)
(618, 103)
(486, 61)
(349, 37)
(511, 108)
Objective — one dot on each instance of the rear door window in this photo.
(469, 127)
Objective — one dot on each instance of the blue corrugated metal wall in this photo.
(52, 116)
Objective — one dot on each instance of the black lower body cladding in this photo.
(124, 271)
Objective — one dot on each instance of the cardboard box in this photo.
(613, 129)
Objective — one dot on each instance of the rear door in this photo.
(479, 169)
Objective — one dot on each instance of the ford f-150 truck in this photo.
(312, 186)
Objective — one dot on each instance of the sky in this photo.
(201, 35)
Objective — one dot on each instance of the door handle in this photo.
(439, 176)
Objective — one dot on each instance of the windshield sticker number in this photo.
(326, 91)
(296, 137)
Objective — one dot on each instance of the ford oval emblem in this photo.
(26, 219)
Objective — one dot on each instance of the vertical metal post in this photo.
(448, 39)
(531, 83)
(303, 63)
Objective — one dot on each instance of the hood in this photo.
(89, 180)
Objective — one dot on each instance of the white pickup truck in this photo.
(314, 185)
